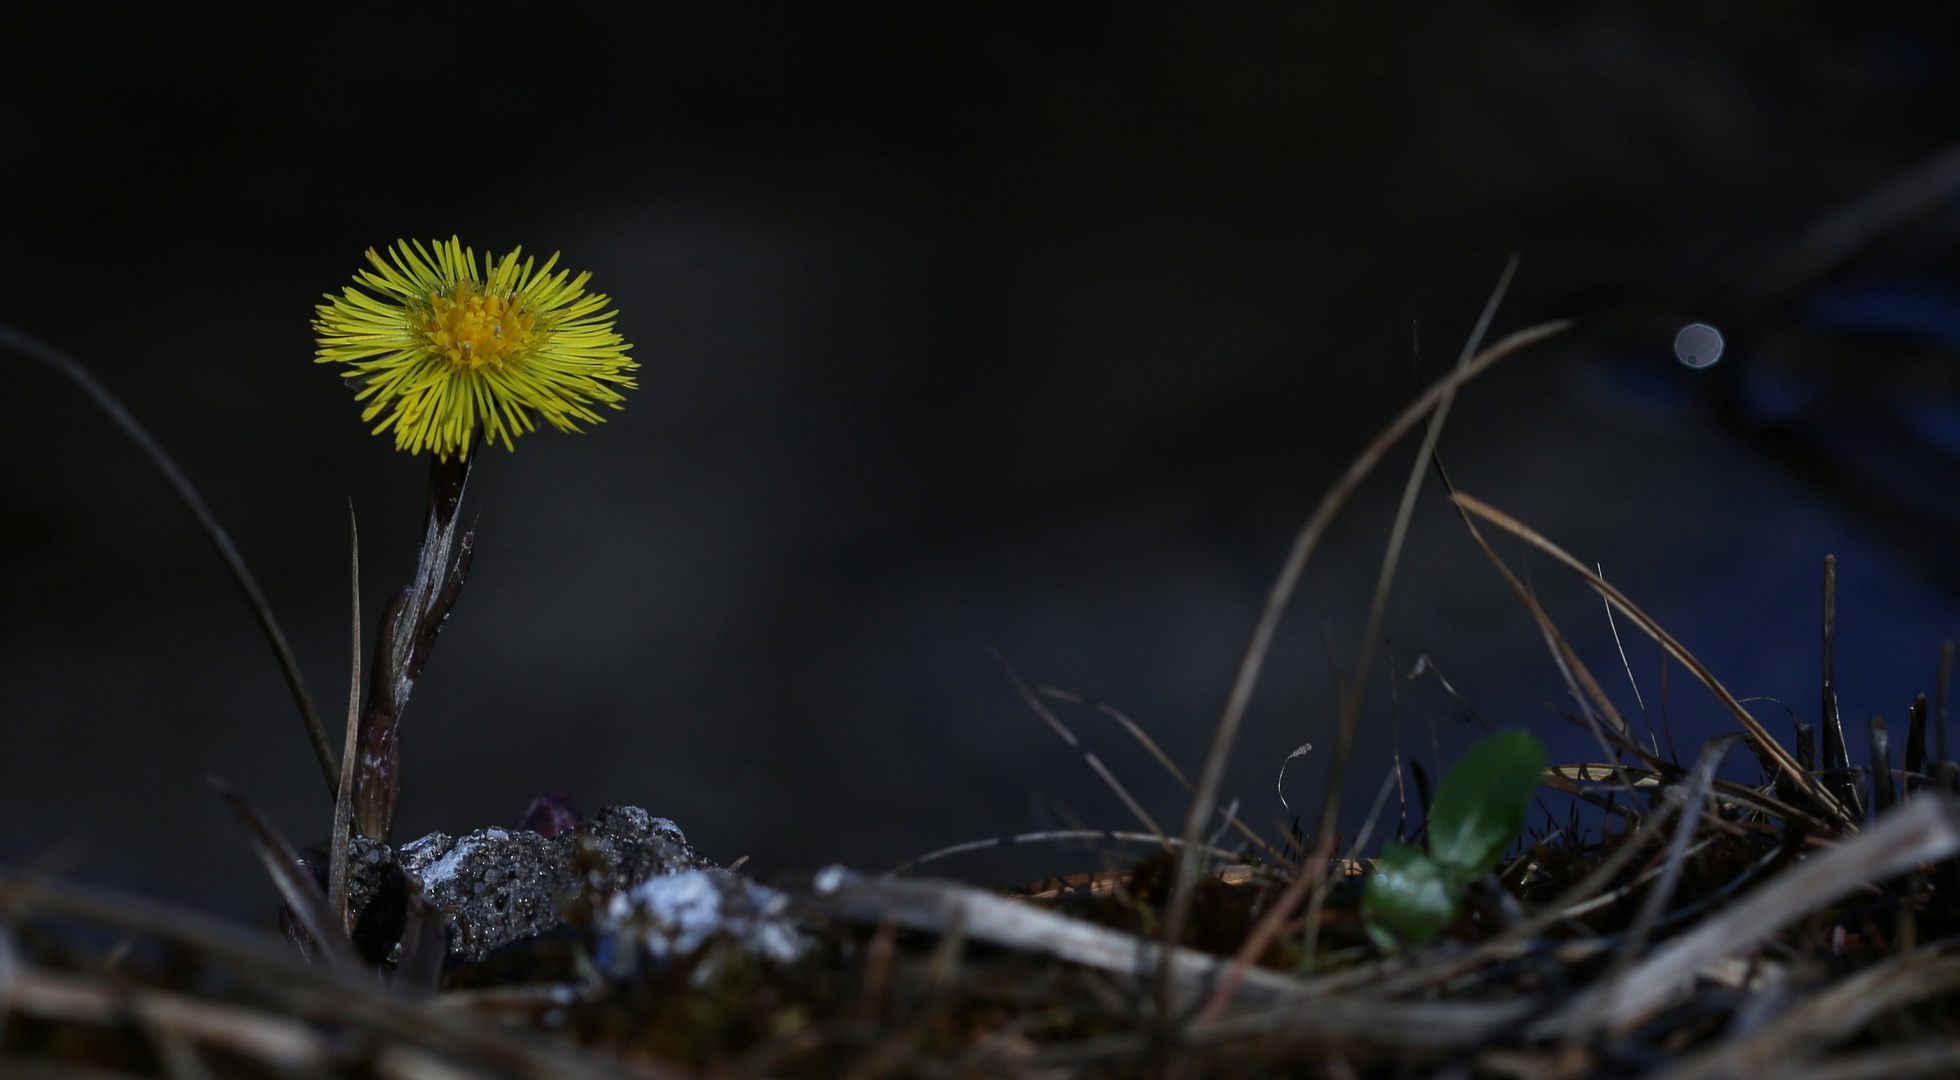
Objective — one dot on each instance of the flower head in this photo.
(444, 346)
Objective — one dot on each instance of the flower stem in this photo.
(409, 627)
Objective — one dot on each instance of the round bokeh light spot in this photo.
(1698, 345)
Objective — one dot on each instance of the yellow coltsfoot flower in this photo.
(444, 346)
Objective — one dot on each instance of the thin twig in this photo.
(1136, 731)
(68, 366)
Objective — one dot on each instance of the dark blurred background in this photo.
(1037, 327)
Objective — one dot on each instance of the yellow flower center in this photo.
(476, 330)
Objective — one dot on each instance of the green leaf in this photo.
(1409, 897)
(1481, 806)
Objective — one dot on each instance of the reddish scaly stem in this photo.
(408, 632)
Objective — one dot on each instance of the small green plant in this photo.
(1413, 894)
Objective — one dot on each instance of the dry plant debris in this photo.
(1805, 924)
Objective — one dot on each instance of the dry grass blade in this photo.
(1612, 806)
(1254, 660)
(424, 945)
(1828, 1018)
(1570, 667)
(1692, 798)
(1095, 763)
(1681, 655)
(1136, 730)
(1745, 796)
(1925, 830)
(1150, 746)
(935, 906)
(1049, 837)
(1626, 665)
(1370, 634)
(73, 370)
(335, 995)
(343, 803)
(277, 1041)
(297, 887)
(1733, 795)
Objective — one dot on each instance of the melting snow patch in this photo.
(446, 867)
(676, 914)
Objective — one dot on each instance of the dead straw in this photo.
(1926, 829)
(1067, 735)
(1150, 746)
(1829, 803)
(1254, 659)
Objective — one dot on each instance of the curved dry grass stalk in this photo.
(1570, 667)
(1829, 803)
(72, 369)
(1304, 544)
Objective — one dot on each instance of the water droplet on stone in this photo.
(1698, 345)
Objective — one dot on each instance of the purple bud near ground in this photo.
(550, 814)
